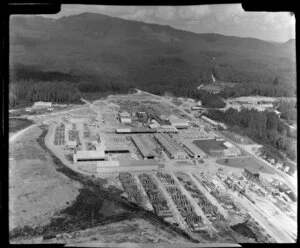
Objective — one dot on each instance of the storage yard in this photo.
(179, 169)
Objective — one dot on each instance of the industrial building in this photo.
(210, 121)
(154, 124)
(231, 150)
(196, 108)
(197, 133)
(194, 151)
(42, 104)
(179, 124)
(125, 117)
(71, 144)
(85, 156)
(170, 146)
(167, 129)
(145, 146)
(114, 148)
(142, 117)
(135, 130)
(125, 166)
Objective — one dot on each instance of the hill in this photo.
(98, 49)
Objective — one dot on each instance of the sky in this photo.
(227, 19)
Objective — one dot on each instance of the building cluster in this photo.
(256, 178)
(125, 118)
(231, 151)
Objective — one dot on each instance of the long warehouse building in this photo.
(114, 166)
(172, 149)
(145, 146)
(194, 151)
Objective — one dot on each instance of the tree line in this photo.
(260, 89)
(28, 91)
(288, 110)
(263, 127)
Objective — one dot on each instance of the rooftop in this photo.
(94, 154)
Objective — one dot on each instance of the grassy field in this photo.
(16, 124)
(244, 163)
(36, 189)
(206, 145)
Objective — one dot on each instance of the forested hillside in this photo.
(28, 91)
(98, 52)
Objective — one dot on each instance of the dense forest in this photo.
(250, 89)
(288, 110)
(28, 91)
(28, 85)
(263, 127)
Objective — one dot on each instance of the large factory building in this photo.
(172, 149)
(145, 146)
(85, 156)
(194, 151)
(114, 166)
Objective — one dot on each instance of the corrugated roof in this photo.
(145, 145)
(113, 147)
(94, 154)
(228, 144)
(123, 130)
(194, 149)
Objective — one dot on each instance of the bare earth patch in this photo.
(132, 231)
(36, 189)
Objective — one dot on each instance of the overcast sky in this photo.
(229, 19)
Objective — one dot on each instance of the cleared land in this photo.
(207, 145)
(133, 231)
(244, 163)
(17, 124)
(237, 138)
(36, 189)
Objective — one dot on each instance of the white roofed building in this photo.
(41, 104)
(179, 123)
(84, 156)
(71, 144)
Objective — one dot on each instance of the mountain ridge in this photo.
(143, 53)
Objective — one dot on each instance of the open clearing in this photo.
(237, 138)
(135, 231)
(36, 189)
(244, 163)
(16, 124)
(207, 145)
